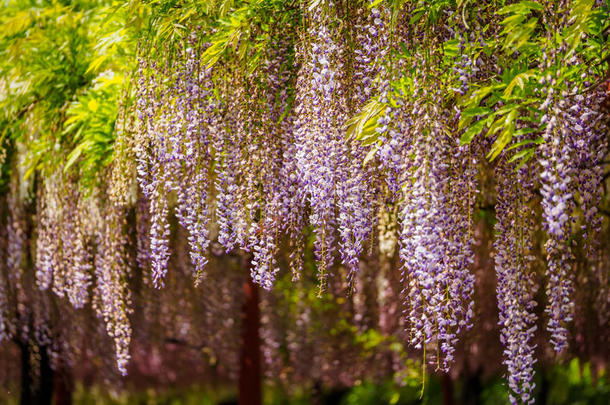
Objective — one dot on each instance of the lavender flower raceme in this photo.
(48, 260)
(434, 241)
(76, 258)
(558, 205)
(230, 138)
(393, 134)
(192, 191)
(273, 194)
(515, 285)
(293, 203)
(589, 146)
(113, 303)
(318, 136)
(354, 193)
(143, 256)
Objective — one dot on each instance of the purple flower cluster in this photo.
(393, 128)
(159, 233)
(155, 161)
(272, 204)
(264, 266)
(317, 134)
(372, 37)
(434, 240)
(558, 207)
(192, 210)
(172, 153)
(292, 200)
(230, 208)
(355, 204)
(328, 166)
(143, 257)
(112, 300)
(63, 261)
(571, 173)
(589, 145)
(515, 284)
(47, 248)
(354, 194)
(76, 257)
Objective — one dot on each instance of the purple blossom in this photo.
(558, 206)
(113, 303)
(515, 287)
(435, 241)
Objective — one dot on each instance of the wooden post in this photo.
(447, 388)
(63, 385)
(250, 379)
(26, 376)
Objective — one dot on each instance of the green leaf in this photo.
(507, 108)
(479, 94)
(471, 132)
(474, 111)
(451, 48)
(519, 80)
(314, 4)
(362, 126)
(370, 155)
(417, 15)
(526, 158)
(375, 4)
(523, 7)
(96, 63)
(75, 154)
(505, 136)
(521, 154)
(536, 141)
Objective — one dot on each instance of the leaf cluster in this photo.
(62, 69)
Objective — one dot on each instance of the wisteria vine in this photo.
(348, 130)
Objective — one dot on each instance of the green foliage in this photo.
(513, 95)
(44, 64)
(90, 122)
(57, 58)
(428, 13)
(62, 69)
(362, 126)
(389, 393)
(249, 31)
(238, 29)
(503, 105)
(575, 384)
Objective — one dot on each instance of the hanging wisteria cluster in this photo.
(515, 283)
(353, 146)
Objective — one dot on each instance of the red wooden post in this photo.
(447, 388)
(63, 385)
(250, 379)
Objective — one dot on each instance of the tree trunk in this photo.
(36, 375)
(250, 392)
